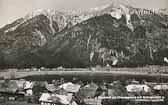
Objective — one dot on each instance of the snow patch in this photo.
(52, 15)
(42, 38)
(51, 25)
(91, 55)
(48, 13)
(88, 41)
(11, 29)
(122, 10)
(116, 14)
(127, 15)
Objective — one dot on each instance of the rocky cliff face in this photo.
(115, 34)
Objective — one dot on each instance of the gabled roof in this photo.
(91, 86)
(70, 87)
(55, 98)
(63, 99)
(45, 97)
(89, 90)
(50, 87)
(29, 85)
(23, 84)
(137, 88)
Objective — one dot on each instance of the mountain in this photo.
(115, 34)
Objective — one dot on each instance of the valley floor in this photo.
(149, 73)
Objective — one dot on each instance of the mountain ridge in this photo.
(114, 34)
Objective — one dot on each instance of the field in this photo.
(98, 73)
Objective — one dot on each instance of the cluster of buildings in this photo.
(75, 92)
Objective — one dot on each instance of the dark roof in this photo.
(89, 90)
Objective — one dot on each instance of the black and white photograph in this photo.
(83, 52)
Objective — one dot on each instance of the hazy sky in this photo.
(11, 10)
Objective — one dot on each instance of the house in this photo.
(21, 84)
(8, 89)
(50, 87)
(25, 86)
(93, 101)
(70, 87)
(28, 88)
(165, 59)
(45, 99)
(116, 89)
(160, 87)
(89, 90)
(62, 94)
(56, 99)
(135, 88)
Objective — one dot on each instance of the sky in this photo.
(11, 10)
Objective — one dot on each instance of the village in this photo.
(75, 91)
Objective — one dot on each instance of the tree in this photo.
(2, 61)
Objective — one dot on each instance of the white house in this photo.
(45, 99)
(137, 88)
(28, 87)
(161, 87)
(165, 59)
(70, 87)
